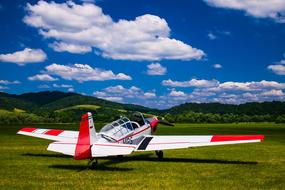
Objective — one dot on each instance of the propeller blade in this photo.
(165, 123)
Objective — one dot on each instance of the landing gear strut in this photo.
(92, 163)
(159, 154)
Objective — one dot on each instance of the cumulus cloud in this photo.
(223, 92)
(42, 77)
(72, 48)
(70, 90)
(43, 86)
(121, 94)
(6, 82)
(214, 85)
(278, 68)
(25, 56)
(217, 66)
(156, 69)
(83, 27)
(83, 72)
(149, 95)
(274, 9)
(191, 83)
(62, 86)
(176, 93)
(3, 87)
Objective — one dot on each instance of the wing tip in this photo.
(26, 129)
(220, 138)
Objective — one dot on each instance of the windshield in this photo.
(117, 128)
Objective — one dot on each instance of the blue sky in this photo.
(152, 53)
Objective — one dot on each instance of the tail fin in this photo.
(86, 137)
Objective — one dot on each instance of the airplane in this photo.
(125, 136)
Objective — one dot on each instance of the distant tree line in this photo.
(105, 115)
(193, 117)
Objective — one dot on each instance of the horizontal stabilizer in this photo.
(62, 147)
(50, 134)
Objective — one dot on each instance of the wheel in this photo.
(159, 154)
(92, 163)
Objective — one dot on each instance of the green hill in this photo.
(55, 106)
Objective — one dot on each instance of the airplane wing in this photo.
(50, 134)
(152, 142)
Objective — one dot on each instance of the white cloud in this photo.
(82, 27)
(43, 86)
(25, 56)
(121, 94)
(62, 86)
(282, 61)
(225, 92)
(6, 82)
(217, 66)
(115, 89)
(149, 95)
(191, 83)
(214, 85)
(277, 69)
(84, 72)
(42, 77)
(3, 87)
(156, 69)
(71, 48)
(70, 90)
(274, 9)
(273, 93)
(212, 36)
(177, 93)
(113, 99)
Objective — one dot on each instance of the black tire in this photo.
(159, 154)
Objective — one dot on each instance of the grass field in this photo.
(26, 164)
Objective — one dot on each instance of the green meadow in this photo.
(26, 164)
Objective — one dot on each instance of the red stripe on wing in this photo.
(28, 129)
(53, 132)
(219, 138)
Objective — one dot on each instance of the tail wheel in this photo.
(159, 154)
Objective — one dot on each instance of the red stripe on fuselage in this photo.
(133, 134)
(219, 138)
(28, 129)
(114, 145)
(53, 132)
(169, 143)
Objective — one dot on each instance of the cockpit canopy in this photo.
(122, 127)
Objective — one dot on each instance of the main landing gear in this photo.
(159, 154)
(92, 163)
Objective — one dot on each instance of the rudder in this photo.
(86, 137)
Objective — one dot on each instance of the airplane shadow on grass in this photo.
(104, 163)
(47, 155)
(146, 157)
(79, 168)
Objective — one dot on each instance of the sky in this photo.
(154, 53)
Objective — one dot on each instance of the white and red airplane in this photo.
(124, 136)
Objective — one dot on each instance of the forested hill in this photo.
(253, 108)
(55, 106)
(55, 100)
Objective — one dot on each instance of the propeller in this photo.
(154, 121)
(164, 122)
